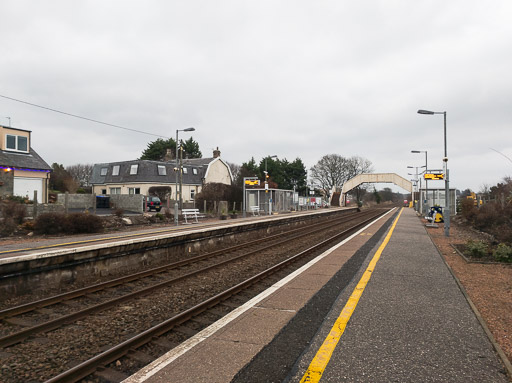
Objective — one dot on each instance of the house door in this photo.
(25, 187)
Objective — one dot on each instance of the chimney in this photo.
(216, 153)
(168, 156)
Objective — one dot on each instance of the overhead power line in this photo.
(508, 158)
(81, 117)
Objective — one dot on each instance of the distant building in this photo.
(22, 170)
(137, 176)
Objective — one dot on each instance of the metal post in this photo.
(446, 215)
(244, 214)
(176, 184)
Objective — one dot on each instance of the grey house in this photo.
(137, 176)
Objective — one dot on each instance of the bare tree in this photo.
(329, 172)
(333, 170)
(81, 173)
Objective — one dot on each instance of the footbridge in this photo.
(374, 178)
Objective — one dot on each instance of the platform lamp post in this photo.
(266, 185)
(426, 181)
(446, 213)
(415, 180)
(176, 170)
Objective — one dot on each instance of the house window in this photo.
(115, 170)
(161, 170)
(133, 190)
(103, 191)
(133, 169)
(103, 171)
(194, 171)
(185, 171)
(115, 190)
(18, 143)
(192, 194)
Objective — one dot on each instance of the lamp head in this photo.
(421, 111)
(189, 129)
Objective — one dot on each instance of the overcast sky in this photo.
(256, 78)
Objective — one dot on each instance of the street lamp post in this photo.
(426, 181)
(176, 170)
(446, 213)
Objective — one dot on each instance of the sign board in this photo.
(432, 176)
(252, 182)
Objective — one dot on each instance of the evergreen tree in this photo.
(157, 149)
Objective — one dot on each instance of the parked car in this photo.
(153, 203)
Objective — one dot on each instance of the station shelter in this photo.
(436, 197)
(269, 201)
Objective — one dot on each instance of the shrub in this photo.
(119, 212)
(468, 209)
(76, 223)
(487, 216)
(13, 210)
(7, 227)
(160, 216)
(50, 223)
(503, 253)
(476, 249)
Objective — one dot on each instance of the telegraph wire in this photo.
(81, 117)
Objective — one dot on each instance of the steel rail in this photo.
(19, 336)
(92, 365)
(31, 306)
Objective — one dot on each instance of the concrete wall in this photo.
(77, 201)
(134, 202)
(130, 202)
(45, 208)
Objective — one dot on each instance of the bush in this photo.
(160, 216)
(7, 227)
(13, 210)
(119, 212)
(477, 249)
(468, 209)
(503, 253)
(50, 223)
(77, 223)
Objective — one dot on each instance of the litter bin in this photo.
(102, 202)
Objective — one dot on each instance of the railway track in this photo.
(196, 291)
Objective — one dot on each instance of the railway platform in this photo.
(381, 306)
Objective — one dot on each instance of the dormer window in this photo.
(115, 170)
(161, 170)
(103, 171)
(194, 170)
(185, 171)
(16, 143)
(133, 169)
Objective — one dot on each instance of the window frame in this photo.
(103, 172)
(134, 169)
(185, 170)
(16, 143)
(114, 168)
(163, 168)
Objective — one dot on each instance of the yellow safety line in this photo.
(323, 356)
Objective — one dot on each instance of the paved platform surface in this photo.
(411, 324)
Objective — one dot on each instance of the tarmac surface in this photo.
(412, 323)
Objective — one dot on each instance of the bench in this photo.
(255, 210)
(191, 213)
